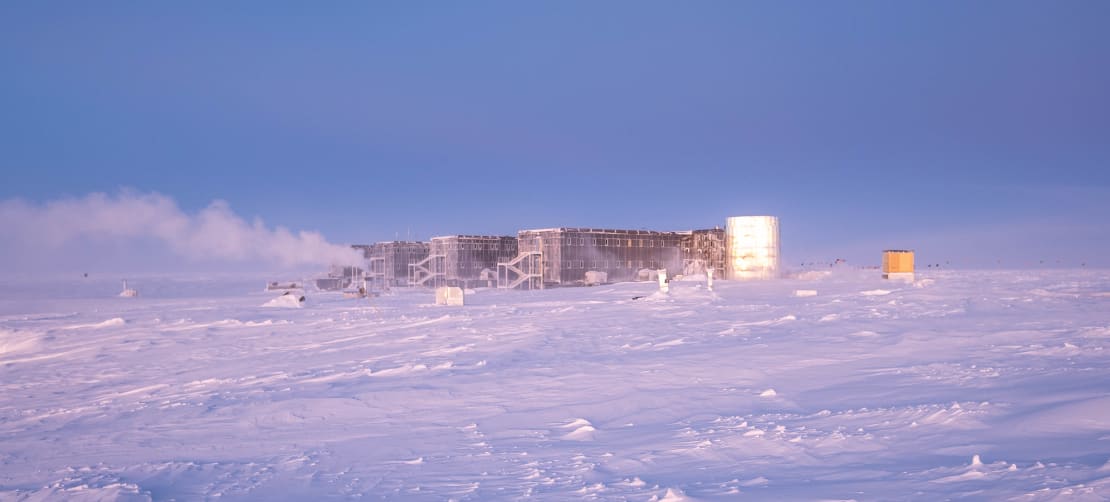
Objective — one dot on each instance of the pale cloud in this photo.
(215, 233)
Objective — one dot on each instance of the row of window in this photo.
(611, 264)
(474, 265)
(474, 246)
(616, 242)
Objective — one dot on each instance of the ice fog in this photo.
(40, 234)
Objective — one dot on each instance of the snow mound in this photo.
(875, 292)
(673, 495)
(957, 478)
(578, 422)
(634, 482)
(658, 296)
(805, 292)
(973, 471)
(584, 433)
(12, 341)
(401, 370)
(76, 490)
(768, 393)
(110, 323)
(286, 302)
(115, 321)
(583, 430)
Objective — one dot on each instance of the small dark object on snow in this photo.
(636, 297)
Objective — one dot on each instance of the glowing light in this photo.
(753, 247)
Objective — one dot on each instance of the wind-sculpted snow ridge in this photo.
(983, 385)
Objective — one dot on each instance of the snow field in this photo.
(979, 384)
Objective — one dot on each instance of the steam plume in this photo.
(214, 233)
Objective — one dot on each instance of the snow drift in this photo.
(981, 385)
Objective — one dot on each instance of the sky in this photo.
(977, 133)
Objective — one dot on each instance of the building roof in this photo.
(599, 231)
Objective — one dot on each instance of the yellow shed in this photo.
(897, 262)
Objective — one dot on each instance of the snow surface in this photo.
(978, 385)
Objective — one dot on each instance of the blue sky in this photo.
(975, 132)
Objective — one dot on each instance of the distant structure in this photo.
(747, 248)
(363, 248)
(752, 244)
(462, 260)
(282, 286)
(898, 264)
(128, 292)
(569, 253)
(340, 277)
(388, 262)
(703, 250)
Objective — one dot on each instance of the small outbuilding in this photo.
(898, 264)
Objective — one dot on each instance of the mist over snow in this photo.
(149, 230)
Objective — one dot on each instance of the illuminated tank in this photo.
(752, 247)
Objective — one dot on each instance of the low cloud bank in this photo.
(215, 233)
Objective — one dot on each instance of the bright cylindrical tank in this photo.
(752, 244)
